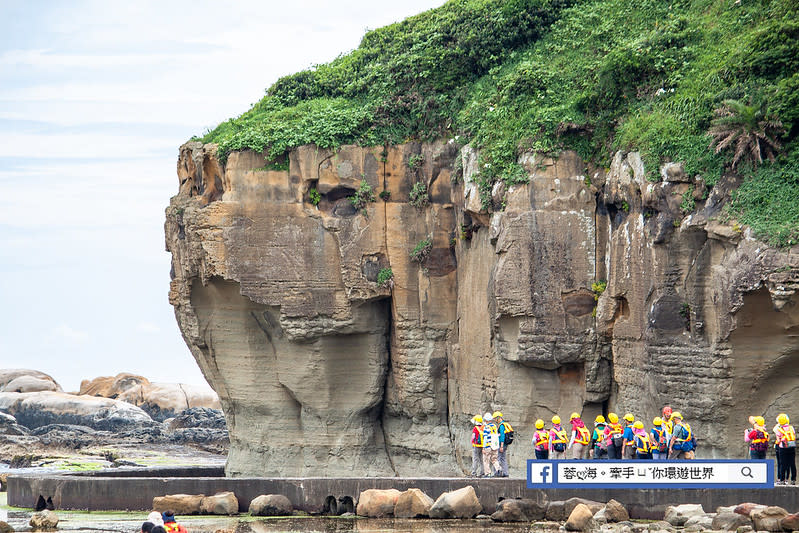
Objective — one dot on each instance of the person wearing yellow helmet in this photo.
(505, 439)
(598, 448)
(786, 450)
(683, 442)
(541, 440)
(580, 437)
(490, 446)
(628, 443)
(660, 439)
(757, 437)
(477, 446)
(558, 439)
(613, 436)
(642, 441)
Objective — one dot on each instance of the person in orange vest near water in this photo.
(613, 436)
(541, 440)
(580, 437)
(757, 437)
(558, 439)
(786, 450)
(170, 524)
(477, 446)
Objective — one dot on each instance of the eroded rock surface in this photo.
(278, 300)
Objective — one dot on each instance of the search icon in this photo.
(747, 472)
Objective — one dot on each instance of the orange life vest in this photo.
(541, 438)
(560, 436)
(582, 436)
(642, 443)
(174, 526)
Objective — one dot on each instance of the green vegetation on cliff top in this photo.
(509, 76)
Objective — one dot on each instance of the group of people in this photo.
(757, 437)
(491, 436)
(162, 523)
(669, 438)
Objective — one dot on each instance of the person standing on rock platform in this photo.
(757, 437)
(786, 450)
(541, 440)
(613, 436)
(558, 439)
(580, 437)
(682, 443)
(643, 443)
(477, 446)
(628, 443)
(490, 447)
(599, 444)
(505, 440)
(660, 440)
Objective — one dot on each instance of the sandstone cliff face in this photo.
(320, 371)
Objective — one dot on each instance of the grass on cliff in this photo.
(515, 75)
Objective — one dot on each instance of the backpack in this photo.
(508, 433)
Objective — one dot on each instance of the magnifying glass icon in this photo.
(747, 472)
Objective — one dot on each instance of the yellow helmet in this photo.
(556, 419)
(574, 415)
(760, 421)
(497, 414)
(477, 419)
(638, 425)
(783, 419)
(613, 418)
(599, 419)
(676, 414)
(629, 417)
(539, 424)
(657, 421)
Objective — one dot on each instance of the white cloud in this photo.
(71, 334)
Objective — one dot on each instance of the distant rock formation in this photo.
(583, 290)
(23, 380)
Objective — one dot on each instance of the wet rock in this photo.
(377, 503)
(571, 503)
(461, 503)
(768, 519)
(580, 519)
(703, 522)
(179, 503)
(223, 503)
(413, 503)
(5, 528)
(790, 522)
(678, 515)
(546, 525)
(271, 505)
(44, 521)
(615, 512)
(661, 525)
(519, 510)
(746, 509)
(198, 417)
(69, 435)
(745, 529)
(730, 521)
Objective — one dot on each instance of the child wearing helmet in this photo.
(477, 446)
(613, 436)
(660, 439)
(628, 444)
(682, 443)
(785, 447)
(490, 447)
(598, 446)
(642, 441)
(558, 439)
(541, 440)
(757, 437)
(580, 437)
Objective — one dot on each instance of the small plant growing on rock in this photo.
(314, 196)
(385, 195)
(748, 128)
(625, 206)
(688, 203)
(385, 278)
(421, 250)
(362, 196)
(418, 196)
(415, 161)
(598, 288)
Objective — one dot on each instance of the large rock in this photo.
(5, 528)
(36, 409)
(559, 511)
(223, 503)
(790, 522)
(181, 504)
(278, 300)
(616, 512)
(271, 505)
(413, 503)
(377, 503)
(44, 521)
(461, 503)
(729, 521)
(580, 519)
(30, 384)
(9, 375)
(768, 519)
(748, 508)
(519, 510)
(678, 515)
(701, 522)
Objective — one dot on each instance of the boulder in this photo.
(727, 509)
(44, 521)
(679, 515)
(615, 512)
(271, 505)
(580, 519)
(224, 503)
(555, 511)
(413, 503)
(703, 522)
(377, 503)
(461, 503)
(7, 375)
(3, 482)
(790, 522)
(747, 508)
(661, 525)
(768, 519)
(519, 510)
(5, 528)
(30, 384)
(179, 503)
(730, 521)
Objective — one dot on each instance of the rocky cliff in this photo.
(321, 371)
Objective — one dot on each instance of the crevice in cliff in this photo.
(381, 415)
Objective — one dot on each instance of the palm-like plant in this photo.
(749, 129)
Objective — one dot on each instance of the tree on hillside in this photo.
(749, 129)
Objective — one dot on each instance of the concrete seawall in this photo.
(135, 489)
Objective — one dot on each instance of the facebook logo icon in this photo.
(540, 473)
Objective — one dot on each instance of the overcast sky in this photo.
(95, 98)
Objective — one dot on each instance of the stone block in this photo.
(377, 503)
(461, 503)
(413, 503)
(179, 503)
(223, 503)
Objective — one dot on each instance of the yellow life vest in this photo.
(582, 436)
(541, 438)
(560, 436)
(786, 433)
(642, 443)
(763, 437)
(615, 428)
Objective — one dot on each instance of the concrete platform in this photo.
(134, 489)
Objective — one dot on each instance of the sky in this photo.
(95, 99)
